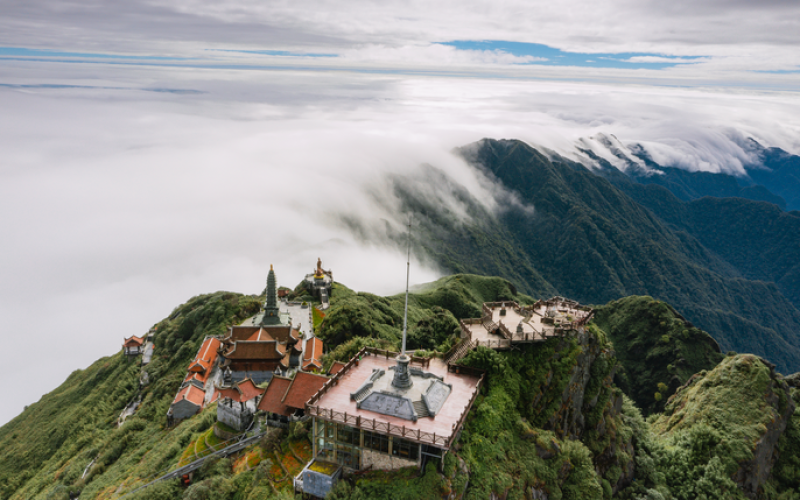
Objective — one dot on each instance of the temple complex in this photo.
(271, 345)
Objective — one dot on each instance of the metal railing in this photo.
(375, 425)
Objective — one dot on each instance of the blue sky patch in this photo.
(550, 56)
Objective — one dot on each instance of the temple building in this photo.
(238, 403)
(312, 354)
(285, 399)
(134, 345)
(193, 394)
(257, 352)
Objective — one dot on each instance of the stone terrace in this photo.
(333, 402)
(507, 323)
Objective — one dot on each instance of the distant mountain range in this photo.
(773, 176)
(721, 249)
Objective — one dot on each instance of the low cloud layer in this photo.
(119, 203)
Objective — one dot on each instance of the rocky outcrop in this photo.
(746, 404)
(589, 406)
(752, 474)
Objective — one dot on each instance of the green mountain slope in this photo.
(758, 239)
(589, 240)
(658, 349)
(549, 420)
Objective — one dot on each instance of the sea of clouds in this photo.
(130, 190)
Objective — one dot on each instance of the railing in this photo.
(458, 351)
(529, 336)
(507, 304)
(335, 379)
(504, 331)
(465, 331)
(486, 312)
(375, 425)
(457, 425)
(494, 344)
(423, 362)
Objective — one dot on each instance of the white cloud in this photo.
(661, 59)
(117, 205)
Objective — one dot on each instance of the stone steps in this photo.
(421, 409)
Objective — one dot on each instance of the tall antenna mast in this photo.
(408, 274)
(401, 379)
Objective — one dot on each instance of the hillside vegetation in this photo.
(550, 420)
(658, 349)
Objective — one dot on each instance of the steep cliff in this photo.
(719, 434)
(550, 422)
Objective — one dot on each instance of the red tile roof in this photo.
(240, 391)
(281, 333)
(133, 341)
(260, 335)
(244, 350)
(273, 397)
(302, 388)
(336, 367)
(196, 376)
(202, 364)
(192, 394)
(312, 354)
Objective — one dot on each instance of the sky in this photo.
(153, 151)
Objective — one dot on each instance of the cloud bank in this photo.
(130, 183)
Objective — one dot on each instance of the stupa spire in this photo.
(271, 311)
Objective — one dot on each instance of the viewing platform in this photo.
(506, 323)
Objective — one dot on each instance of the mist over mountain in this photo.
(596, 232)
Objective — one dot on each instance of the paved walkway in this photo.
(148, 353)
(301, 317)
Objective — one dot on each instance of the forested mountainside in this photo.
(556, 419)
(729, 265)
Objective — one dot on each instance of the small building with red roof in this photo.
(336, 367)
(134, 345)
(272, 401)
(192, 394)
(188, 402)
(201, 367)
(303, 387)
(237, 404)
(312, 354)
(285, 399)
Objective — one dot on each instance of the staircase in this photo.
(359, 395)
(323, 297)
(421, 409)
(459, 351)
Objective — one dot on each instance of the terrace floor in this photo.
(338, 397)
